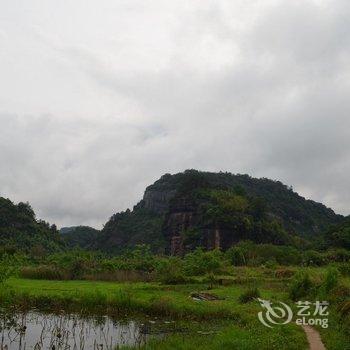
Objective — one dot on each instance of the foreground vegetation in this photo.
(228, 322)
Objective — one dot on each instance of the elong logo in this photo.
(281, 313)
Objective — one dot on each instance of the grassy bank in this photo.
(150, 298)
(239, 327)
(249, 337)
(235, 324)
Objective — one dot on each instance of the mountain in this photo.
(182, 211)
(21, 231)
(79, 236)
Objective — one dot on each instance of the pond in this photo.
(36, 330)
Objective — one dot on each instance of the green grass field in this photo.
(236, 324)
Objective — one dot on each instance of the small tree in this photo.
(200, 262)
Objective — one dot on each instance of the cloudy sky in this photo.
(98, 99)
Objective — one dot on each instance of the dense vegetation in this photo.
(295, 212)
(241, 207)
(79, 236)
(140, 226)
(19, 230)
(140, 264)
(232, 211)
(228, 322)
(339, 235)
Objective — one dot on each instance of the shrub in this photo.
(170, 271)
(236, 256)
(313, 258)
(301, 285)
(331, 280)
(249, 295)
(271, 264)
(251, 254)
(338, 255)
(200, 262)
(211, 280)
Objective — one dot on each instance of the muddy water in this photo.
(35, 330)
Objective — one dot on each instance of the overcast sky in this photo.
(98, 99)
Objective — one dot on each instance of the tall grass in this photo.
(249, 295)
(44, 272)
(120, 276)
(49, 272)
(301, 285)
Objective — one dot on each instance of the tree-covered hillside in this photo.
(195, 208)
(129, 228)
(20, 231)
(339, 235)
(79, 236)
(183, 211)
(296, 213)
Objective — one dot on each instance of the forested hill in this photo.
(20, 231)
(79, 236)
(295, 212)
(183, 211)
(339, 235)
(194, 208)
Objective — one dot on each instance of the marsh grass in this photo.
(249, 295)
(44, 272)
(49, 272)
(233, 336)
(121, 276)
(174, 302)
(114, 298)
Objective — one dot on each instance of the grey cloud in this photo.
(251, 87)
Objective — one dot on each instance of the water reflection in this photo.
(35, 330)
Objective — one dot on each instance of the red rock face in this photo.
(217, 239)
(176, 224)
(176, 246)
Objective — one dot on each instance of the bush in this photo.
(76, 262)
(211, 280)
(170, 271)
(236, 256)
(331, 280)
(200, 262)
(314, 258)
(271, 264)
(301, 285)
(249, 295)
(250, 254)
